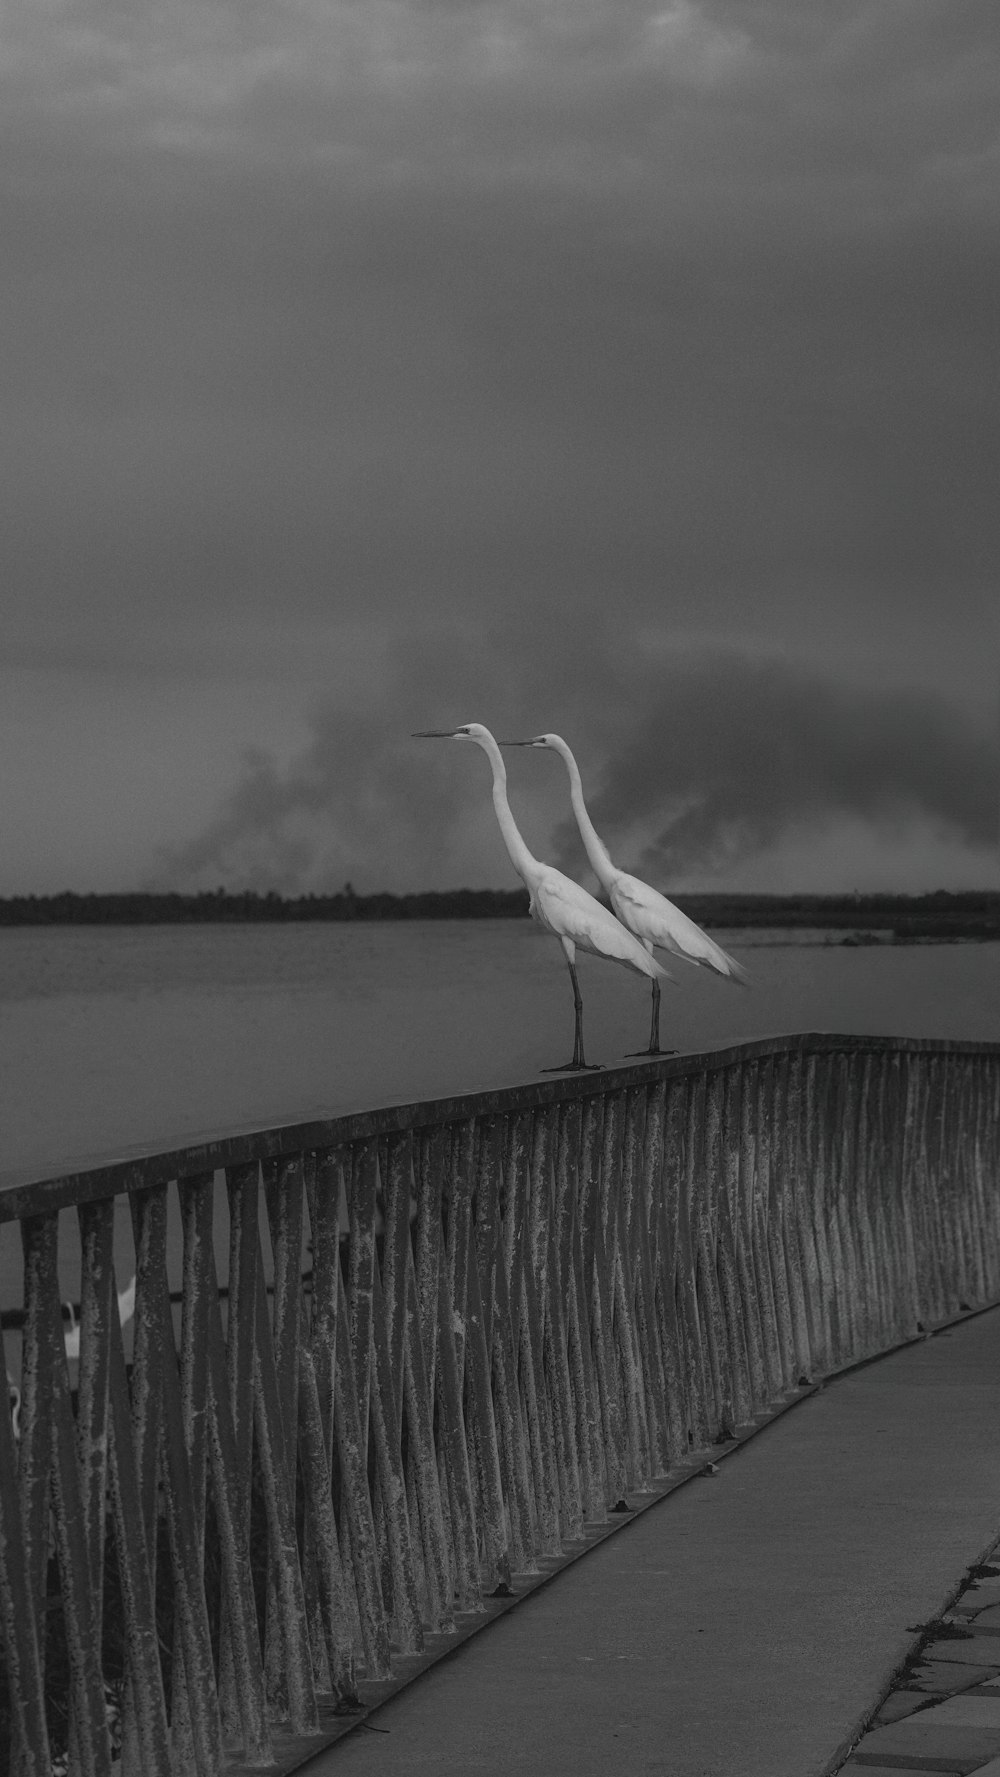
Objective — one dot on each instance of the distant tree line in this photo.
(218, 906)
(967, 914)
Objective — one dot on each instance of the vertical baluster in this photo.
(633, 1290)
(621, 1366)
(506, 1343)
(586, 1321)
(289, 1675)
(785, 1161)
(814, 1127)
(459, 1258)
(352, 1452)
(910, 1208)
(46, 1359)
(701, 1187)
(145, 1734)
(311, 1533)
(411, 1383)
(419, 1408)
(362, 1190)
(385, 1421)
(160, 1401)
(323, 1554)
(22, 1606)
(770, 1103)
(583, 1388)
(554, 1205)
(449, 1345)
(768, 1372)
(697, 1366)
(284, 1198)
(800, 1229)
(600, 1282)
(832, 1207)
(528, 1309)
(493, 1532)
(195, 1196)
(724, 1127)
(500, 1371)
(664, 1165)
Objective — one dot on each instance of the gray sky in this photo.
(578, 364)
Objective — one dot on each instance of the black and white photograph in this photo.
(500, 888)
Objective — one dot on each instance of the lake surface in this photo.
(129, 1039)
(121, 1039)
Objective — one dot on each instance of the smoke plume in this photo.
(731, 752)
(692, 764)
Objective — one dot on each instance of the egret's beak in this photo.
(519, 743)
(434, 734)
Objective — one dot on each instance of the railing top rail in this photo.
(42, 1194)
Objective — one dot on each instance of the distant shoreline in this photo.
(972, 915)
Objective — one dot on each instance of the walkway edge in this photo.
(334, 1726)
(923, 1634)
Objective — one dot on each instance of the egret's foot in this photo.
(573, 1067)
(653, 1052)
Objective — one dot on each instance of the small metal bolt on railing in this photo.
(448, 1342)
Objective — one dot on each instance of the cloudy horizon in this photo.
(624, 370)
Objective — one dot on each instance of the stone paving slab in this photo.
(966, 1652)
(933, 1745)
(971, 1709)
(947, 1677)
(980, 1596)
(897, 1770)
(747, 1626)
(898, 1705)
(936, 1734)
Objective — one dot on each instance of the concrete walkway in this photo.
(747, 1625)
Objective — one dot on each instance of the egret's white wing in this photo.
(568, 911)
(650, 915)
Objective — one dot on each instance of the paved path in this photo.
(746, 1626)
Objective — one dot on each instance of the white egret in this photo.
(71, 1324)
(559, 905)
(71, 1338)
(649, 915)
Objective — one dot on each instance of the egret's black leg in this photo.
(578, 1060)
(578, 1065)
(654, 1028)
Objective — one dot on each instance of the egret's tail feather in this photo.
(731, 970)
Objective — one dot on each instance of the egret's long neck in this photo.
(600, 861)
(527, 867)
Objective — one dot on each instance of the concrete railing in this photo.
(449, 1341)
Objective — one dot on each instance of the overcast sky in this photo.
(587, 365)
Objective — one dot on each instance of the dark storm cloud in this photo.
(563, 326)
(472, 303)
(364, 800)
(730, 754)
(705, 761)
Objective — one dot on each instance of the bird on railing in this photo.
(71, 1338)
(559, 905)
(652, 919)
(71, 1320)
(14, 1400)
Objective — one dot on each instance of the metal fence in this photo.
(433, 1348)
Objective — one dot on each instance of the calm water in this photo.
(131, 1038)
(116, 1041)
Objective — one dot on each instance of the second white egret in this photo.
(648, 915)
